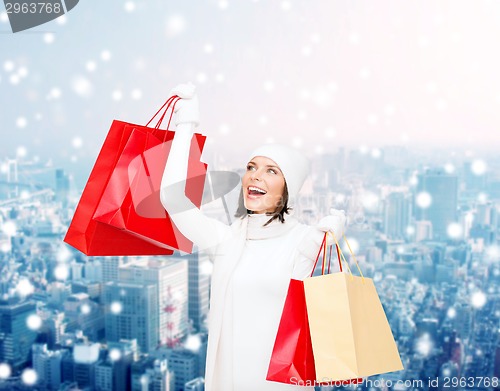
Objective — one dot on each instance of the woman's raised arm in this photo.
(203, 231)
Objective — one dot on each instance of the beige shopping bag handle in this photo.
(350, 250)
(340, 255)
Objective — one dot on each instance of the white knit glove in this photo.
(334, 223)
(186, 109)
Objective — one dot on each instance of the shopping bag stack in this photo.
(333, 329)
(119, 212)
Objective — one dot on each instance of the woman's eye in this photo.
(272, 171)
(249, 168)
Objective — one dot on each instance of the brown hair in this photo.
(279, 213)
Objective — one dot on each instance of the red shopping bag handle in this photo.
(170, 103)
(322, 248)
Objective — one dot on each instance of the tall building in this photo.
(197, 384)
(47, 365)
(132, 313)
(85, 358)
(149, 373)
(397, 212)
(62, 187)
(170, 277)
(110, 266)
(199, 289)
(16, 338)
(442, 210)
(104, 375)
(185, 365)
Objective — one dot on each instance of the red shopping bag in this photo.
(106, 221)
(292, 359)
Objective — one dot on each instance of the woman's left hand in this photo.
(334, 223)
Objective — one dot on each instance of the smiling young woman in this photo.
(254, 258)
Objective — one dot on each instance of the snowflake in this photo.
(224, 129)
(48, 38)
(34, 322)
(424, 200)
(129, 6)
(376, 153)
(306, 51)
(21, 122)
(354, 38)
(136, 94)
(330, 132)
(14, 79)
(115, 354)
(301, 115)
(208, 48)
(61, 272)
(431, 87)
(449, 168)
(454, 231)
(479, 167)
(9, 228)
(478, 299)
(370, 201)
(365, 73)
(424, 345)
(117, 95)
(29, 377)
(8, 66)
(62, 20)
(105, 55)
(315, 38)
(297, 142)
(193, 343)
(176, 24)
(201, 78)
(116, 307)
(77, 142)
(206, 268)
(5, 371)
(82, 86)
(22, 72)
(451, 313)
(85, 309)
(268, 86)
(286, 5)
(91, 66)
(63, 254)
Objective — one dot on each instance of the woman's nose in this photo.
(256, 175)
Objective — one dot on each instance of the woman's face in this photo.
(263, 185)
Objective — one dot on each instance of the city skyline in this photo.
(438, 288)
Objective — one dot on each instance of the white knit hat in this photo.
(292, 163)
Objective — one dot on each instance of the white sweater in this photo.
(253, 266)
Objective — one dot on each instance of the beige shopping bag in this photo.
(350, 334)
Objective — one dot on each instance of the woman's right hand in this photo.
(186, 109)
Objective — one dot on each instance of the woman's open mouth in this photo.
(254, 192)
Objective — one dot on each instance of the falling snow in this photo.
(115, 354)
(116, 307)
(29, 377)
(34, 322)
(61, 272)
(479, 167)
(5, 371)
(424, 200)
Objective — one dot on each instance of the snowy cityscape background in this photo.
(396, 104)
